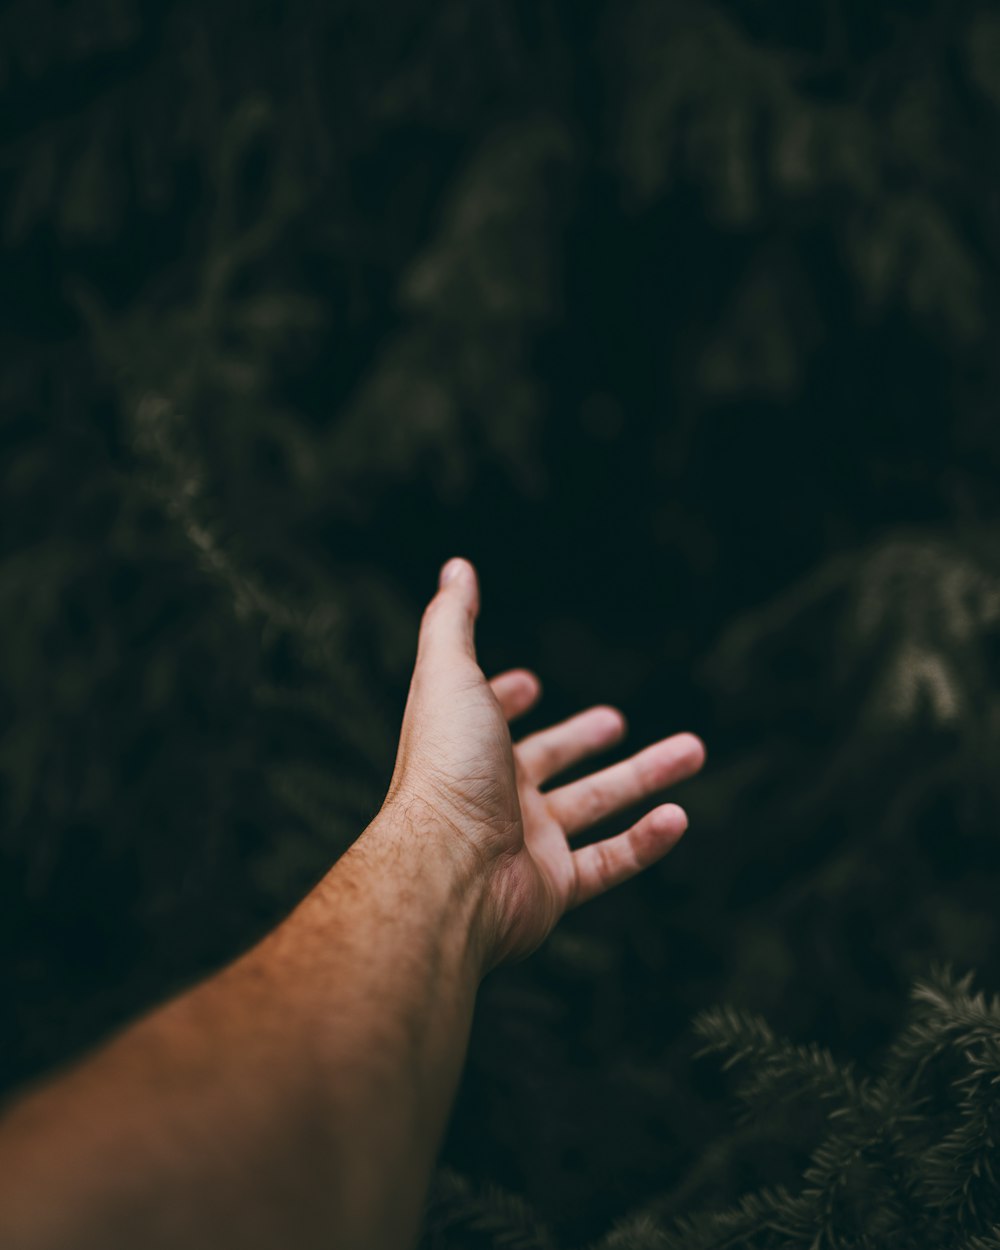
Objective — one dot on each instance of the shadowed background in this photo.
(680, 321)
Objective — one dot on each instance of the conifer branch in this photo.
(455, 1207)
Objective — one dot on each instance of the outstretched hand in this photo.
(458, 765)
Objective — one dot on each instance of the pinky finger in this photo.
(605, 864)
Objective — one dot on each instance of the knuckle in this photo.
(598, 799)
(605, 864)
(549, 758)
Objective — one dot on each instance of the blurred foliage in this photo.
(680, 319)
(904, 1156)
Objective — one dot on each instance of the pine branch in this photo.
(634, 1232)
(779, 1068)
(903, 1165)
(767, 1218)
(506, 1220)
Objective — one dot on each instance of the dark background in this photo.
(680, 320)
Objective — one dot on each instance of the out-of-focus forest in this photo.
(680, 319)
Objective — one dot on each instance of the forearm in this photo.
(296, 1099)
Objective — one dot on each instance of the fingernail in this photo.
(448, 570)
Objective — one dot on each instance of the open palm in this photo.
(456, 757)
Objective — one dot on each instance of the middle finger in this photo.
(582, 803)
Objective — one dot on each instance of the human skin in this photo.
(298, 1098)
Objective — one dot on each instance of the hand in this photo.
(457, 765)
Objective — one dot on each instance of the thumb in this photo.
(447, 630)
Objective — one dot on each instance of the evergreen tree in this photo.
(304, 297)
(905, 1157)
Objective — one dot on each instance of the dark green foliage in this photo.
(680, 318)
(776, 1066)
(456, 1215)
(906, 1157)
(909, 1153)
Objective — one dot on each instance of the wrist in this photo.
(429, 877)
